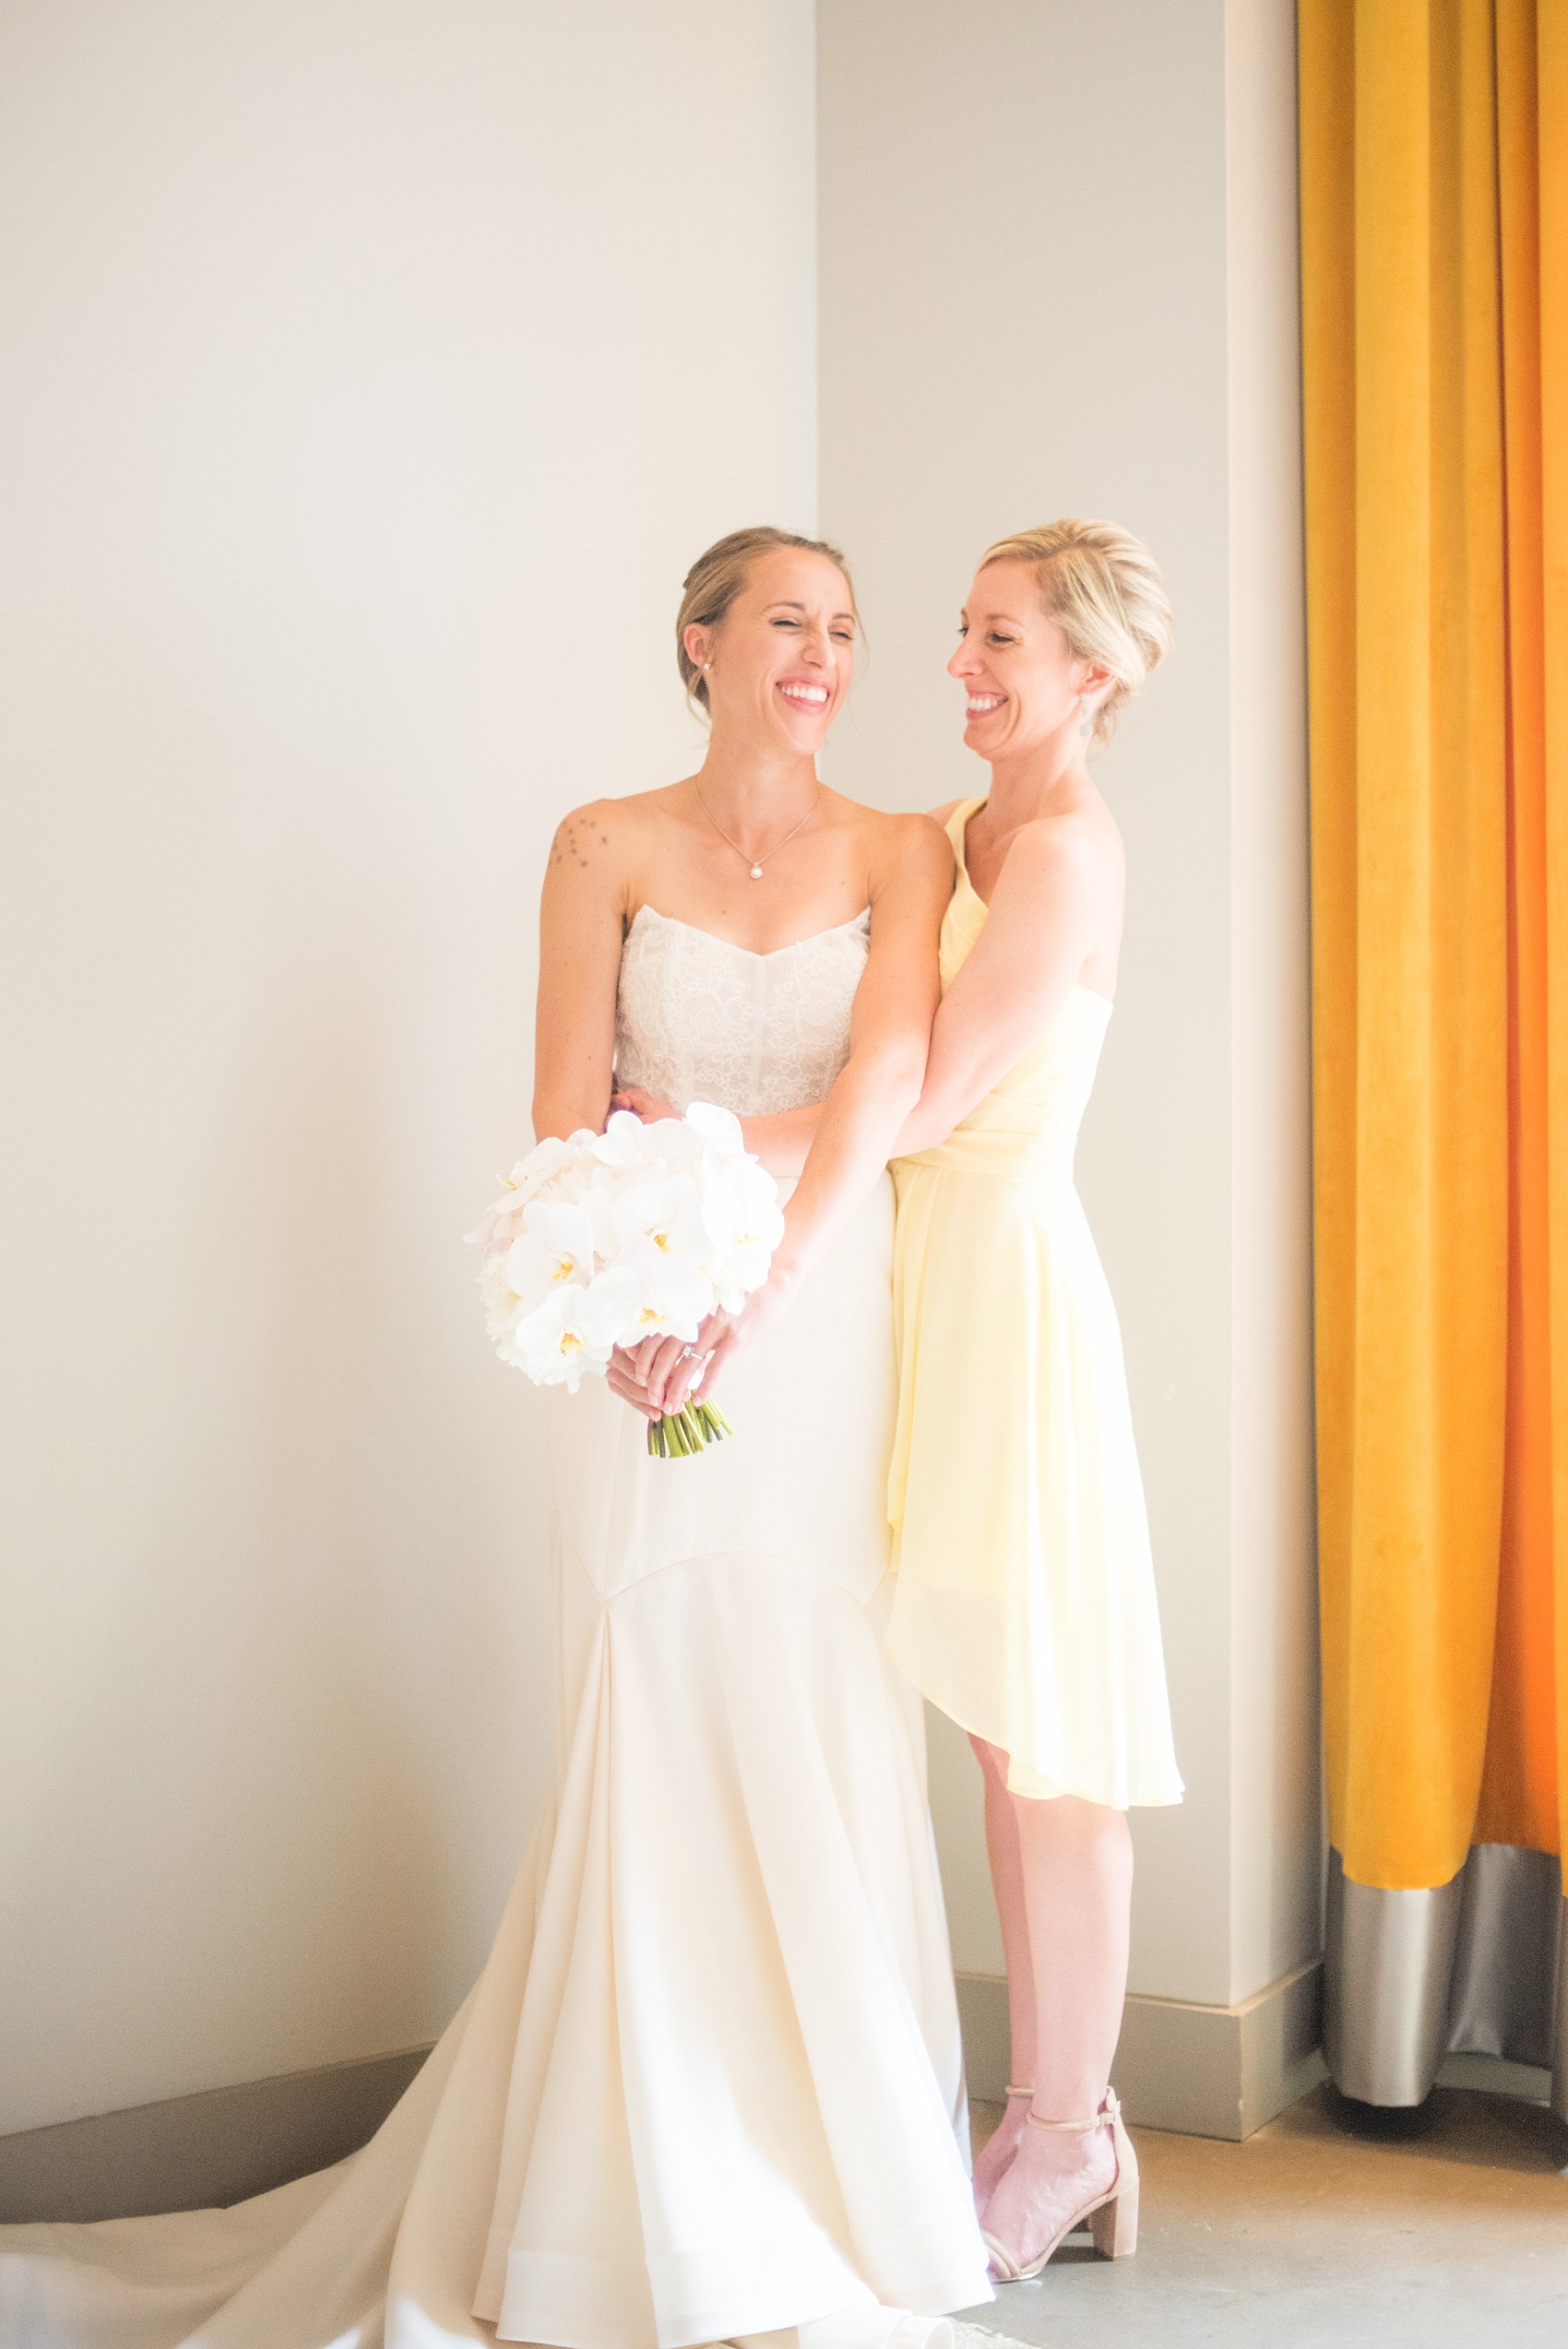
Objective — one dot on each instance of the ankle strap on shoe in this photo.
(1010, 2091)
(1107, 2117)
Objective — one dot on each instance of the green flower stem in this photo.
(680, 1435)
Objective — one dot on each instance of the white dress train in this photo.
(709, 2082)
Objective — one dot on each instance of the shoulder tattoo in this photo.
(576, 838)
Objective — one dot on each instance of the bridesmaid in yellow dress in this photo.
(1025, 1603)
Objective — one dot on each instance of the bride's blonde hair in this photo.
(719, 574)
(1103, 589)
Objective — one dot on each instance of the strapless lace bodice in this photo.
(698, 1019)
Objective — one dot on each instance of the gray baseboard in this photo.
(196, 2153)
(1201, 2072)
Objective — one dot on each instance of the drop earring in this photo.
(1085, 723)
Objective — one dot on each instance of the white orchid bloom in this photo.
(570, 1335)
(656, 1294)
(743, 1269)
(744, 1225)
(756, 1190)
(720, 1129)
(502, 1304)
(674, 1142)
(627, 1142)
(544, 1161)
(624, 1141)
(495, 1227)
(555, 1245)
(745, 1198)
(667, 1209)
(551, 1164)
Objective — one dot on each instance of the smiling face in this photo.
(1022, 684)
(782, 658)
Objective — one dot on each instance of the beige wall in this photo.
(375, 370)
(1058, 277)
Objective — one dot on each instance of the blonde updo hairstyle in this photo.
(716, 579)
(1103, 589)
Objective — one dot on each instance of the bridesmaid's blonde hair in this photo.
(716, 578)
(1103, 589)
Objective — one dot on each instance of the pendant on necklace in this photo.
(756, 872)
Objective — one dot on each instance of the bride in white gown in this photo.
(709, 2084)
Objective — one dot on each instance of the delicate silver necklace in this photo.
(755, 866)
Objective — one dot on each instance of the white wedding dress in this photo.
(709, 2082)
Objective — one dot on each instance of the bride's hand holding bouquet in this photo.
(663, 1375)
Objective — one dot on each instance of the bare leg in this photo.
(1007, 1882)
(1076, 1864)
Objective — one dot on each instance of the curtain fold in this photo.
(1434, 227)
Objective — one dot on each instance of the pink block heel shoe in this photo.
(1113, 2216)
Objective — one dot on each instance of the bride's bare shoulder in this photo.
(605, 831)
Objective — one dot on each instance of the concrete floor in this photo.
(1335, 2224)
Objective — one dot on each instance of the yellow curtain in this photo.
(1434, 233)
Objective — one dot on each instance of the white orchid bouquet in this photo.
(640, 1231)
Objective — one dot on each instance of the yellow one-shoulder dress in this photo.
(1025, 1604)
